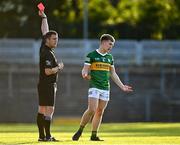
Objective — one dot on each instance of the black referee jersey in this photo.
(47, 60)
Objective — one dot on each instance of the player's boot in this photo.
(42, 139)
(95, 138)
(76, 135)
(52, 139)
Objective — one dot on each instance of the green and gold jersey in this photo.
(100, 65)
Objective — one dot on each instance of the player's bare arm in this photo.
(44, 24)
(85, 72)
(119, 83)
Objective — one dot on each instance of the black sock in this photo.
(40, 124)
(81, 129)
(94, 134)
(47, 124)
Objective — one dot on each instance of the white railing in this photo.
(125, 52)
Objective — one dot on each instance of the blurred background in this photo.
(146, 53)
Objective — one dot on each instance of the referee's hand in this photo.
(60, 66)
(42, 14)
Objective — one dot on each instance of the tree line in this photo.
(125, 19)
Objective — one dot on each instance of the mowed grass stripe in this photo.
(112, 133)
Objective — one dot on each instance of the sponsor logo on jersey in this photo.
(100, 66)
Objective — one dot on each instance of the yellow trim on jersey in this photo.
(100, 66)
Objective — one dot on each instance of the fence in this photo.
(125, 52)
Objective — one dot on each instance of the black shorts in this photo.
(47, 94)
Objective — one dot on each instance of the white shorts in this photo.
(99, 94)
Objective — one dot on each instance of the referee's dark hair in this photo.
(47, 36)
(50, 33)
(107, 37)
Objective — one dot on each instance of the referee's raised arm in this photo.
(44, 24)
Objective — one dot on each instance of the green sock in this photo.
(94, 133)
(81, 128)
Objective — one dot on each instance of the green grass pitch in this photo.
(112, 133)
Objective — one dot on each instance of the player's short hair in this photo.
(50, 33)
(107, 37)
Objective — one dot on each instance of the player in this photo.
(100, 64)
(48, 76)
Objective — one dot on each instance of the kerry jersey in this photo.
(100, 65)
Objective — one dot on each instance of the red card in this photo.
(41, 6)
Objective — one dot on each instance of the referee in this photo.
(48, 77)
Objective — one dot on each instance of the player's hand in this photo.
(127, 88)
(60, 66)
(86, 76)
